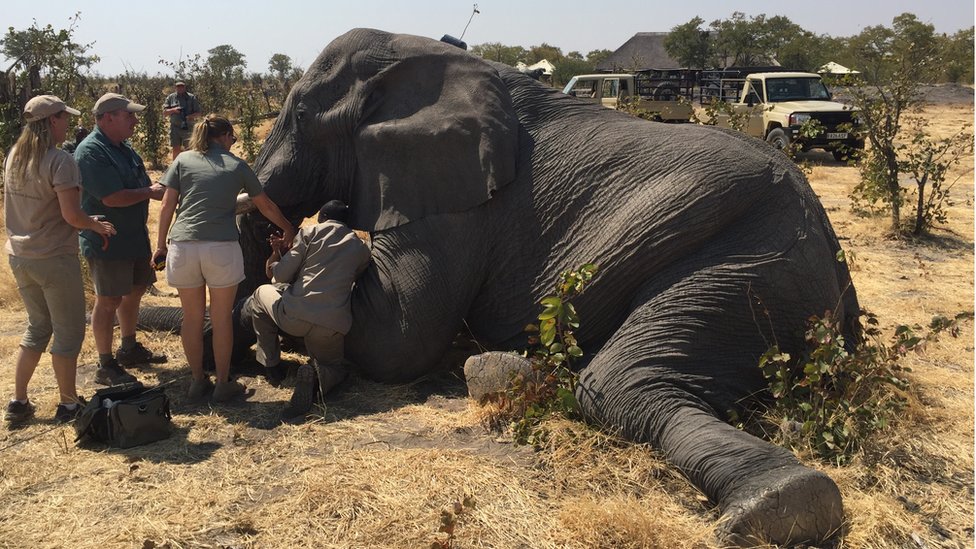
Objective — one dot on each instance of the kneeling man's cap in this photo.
(43, 106)
(113, 102)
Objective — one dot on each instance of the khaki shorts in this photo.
(194, 264)
(180, 137)
(118, 277)
(54, 298)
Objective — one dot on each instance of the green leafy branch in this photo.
(832, 400)
(553, 351)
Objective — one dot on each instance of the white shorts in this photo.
(193, 264)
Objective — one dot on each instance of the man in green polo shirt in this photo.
(115, 185)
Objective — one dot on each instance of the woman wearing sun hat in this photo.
(42, 213)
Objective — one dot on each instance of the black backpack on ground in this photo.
(125, 415)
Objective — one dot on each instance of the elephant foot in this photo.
(784, 506)
(491, 373)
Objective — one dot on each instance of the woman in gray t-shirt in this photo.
(42, 213)
(201, 250)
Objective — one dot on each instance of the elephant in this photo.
(478, 184)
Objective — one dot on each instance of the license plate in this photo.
(837, 135)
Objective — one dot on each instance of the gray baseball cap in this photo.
(113, 102)
(43, 106)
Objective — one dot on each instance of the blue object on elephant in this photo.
(448, 39)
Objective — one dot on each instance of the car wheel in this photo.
(777, 138)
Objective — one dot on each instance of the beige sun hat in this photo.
(113, 102)
(43, 106)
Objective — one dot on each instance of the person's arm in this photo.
(290, 264)
(69, 201)
(128, 197)
(270, 210)
(274, 258)
(195, 110)
(170, 198)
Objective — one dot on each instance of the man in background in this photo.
(183, 110)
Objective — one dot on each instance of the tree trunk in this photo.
(894, 192)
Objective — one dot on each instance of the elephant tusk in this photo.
(244, 204)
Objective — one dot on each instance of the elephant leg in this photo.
(680, 360)
(764, 493)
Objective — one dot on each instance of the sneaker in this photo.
(138, 355)
(65, 415)
(18, 413)
(199, 389)
(227, 391)
(111, 373)
(304, 395)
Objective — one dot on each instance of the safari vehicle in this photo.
(654, 91)
(777, 104)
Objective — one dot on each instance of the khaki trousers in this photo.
(268, 317)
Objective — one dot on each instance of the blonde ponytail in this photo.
(208, 130)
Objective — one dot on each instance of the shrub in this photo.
(832, 400)
(553, 350)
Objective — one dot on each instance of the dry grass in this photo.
(384, 461)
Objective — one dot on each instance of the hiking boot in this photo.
(228, 391)
(329, 375)
(138, 356)
(304, 395)
(65, 415)
(111, 373)
(18, 413)
(199, 389)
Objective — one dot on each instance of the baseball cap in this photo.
(113, 102)
(43, 106)
(180, 84)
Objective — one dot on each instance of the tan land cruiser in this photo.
(779, 103)
(653, 93)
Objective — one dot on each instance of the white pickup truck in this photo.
(779, 103)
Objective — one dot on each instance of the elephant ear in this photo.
(437, 134)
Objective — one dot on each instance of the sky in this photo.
(136, 35)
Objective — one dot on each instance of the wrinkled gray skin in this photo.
(479, 185)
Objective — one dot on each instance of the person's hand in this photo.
(156, 191)
(287, 238)
(102, 227)
(158, 260)
(278, 245)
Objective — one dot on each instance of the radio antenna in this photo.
(473, 11)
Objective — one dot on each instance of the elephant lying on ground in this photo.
(478, 185)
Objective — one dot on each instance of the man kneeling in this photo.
(309, 298)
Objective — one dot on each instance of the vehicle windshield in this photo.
(581, 87)
(796, 89)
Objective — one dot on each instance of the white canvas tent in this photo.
(545, 65)
(834, 68)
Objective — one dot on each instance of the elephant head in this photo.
(360, 124)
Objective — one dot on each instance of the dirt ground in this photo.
(383, 462)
